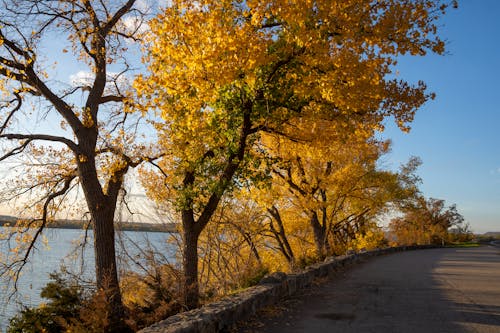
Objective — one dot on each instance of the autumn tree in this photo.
(97, 142)
(332, 182)
(426, 221)
(223, 72)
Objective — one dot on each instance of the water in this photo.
(61, 243)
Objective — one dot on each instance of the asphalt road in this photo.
(438, 290)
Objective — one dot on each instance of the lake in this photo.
(47, 260)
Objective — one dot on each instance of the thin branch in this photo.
(44, 137)
(16, 151)
(153, 163)
(12, 46)
(11, 113)
(48, 201)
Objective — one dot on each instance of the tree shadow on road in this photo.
(468, 280)
(402, 292)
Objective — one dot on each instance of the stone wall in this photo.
(220, 316)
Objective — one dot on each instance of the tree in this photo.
(97, 143)
(426, 221)
(337, 187)
(223, 72)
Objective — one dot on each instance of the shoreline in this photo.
(6, 221)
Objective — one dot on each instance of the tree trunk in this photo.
(319, 235)
(190, 260)
(192, 228)
(248, 239)
(106, 270)
(102, 209)
(324, 221)
(281, 236)
(253, 247)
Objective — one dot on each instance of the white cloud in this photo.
(135, 25)
(165, 3)
(151, 6)
(81, 78)
(144, 5)
(85, 79)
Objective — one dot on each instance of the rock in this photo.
(276, 277)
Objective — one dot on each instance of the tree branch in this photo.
(111, 98)
(16, 150)
(118, 15)
(11, 113)
(233, 162)
(31, 246)
(43, 137)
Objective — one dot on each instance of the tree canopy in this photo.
(222, 73)
(427, 221)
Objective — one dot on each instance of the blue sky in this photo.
(458, 134)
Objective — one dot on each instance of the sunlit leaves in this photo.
(298, 88)
(426, 221)
(321, 59)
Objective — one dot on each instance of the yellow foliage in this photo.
(306, 68)
(293, 89)
(371, 239)
(135, 292)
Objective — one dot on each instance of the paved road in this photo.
(439, 290)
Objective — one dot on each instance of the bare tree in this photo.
(98, 142)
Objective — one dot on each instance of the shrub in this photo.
(64, 302)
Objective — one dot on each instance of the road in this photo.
(436, 290)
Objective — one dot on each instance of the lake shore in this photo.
(6, 220)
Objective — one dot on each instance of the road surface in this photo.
(436, 290)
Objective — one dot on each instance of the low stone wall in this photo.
(220, 316)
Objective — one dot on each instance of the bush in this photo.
(254, 277)
(70, 308)
(64, 303)
(151, 297)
